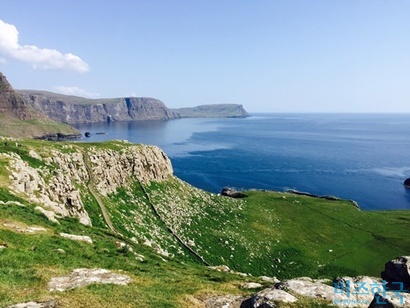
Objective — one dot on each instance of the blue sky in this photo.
(268, 55)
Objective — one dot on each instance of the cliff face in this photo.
(19, 119)
(74, 110)
(11, 103)
(59, 186)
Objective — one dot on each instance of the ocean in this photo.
(363, 157)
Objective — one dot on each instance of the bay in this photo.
(363, 157)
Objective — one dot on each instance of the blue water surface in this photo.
(353, 156)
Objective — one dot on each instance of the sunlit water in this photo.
(360, 157)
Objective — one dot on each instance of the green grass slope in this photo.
(178, 229)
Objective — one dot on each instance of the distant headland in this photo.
(84, 110)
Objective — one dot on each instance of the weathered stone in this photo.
(390, 300)
(251, 285)
(396, 271)
(59, 195)
(267, 298)
(355, 291)
(113, 169)
(82, 277)
(224, 301)
(220, 268)
(48, 304)
(269, 279)
(81, 238)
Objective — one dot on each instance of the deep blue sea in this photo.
(354, 156)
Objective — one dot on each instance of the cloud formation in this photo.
(41, 58)
(75, 91)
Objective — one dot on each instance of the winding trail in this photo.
(91, 188)
(95, 194)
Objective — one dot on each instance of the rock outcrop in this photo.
(397, 273)
(112, 169)
(82, 277)
(407, 183)
(56, 187)
(74, 110)
(12, 104)
(55, 192)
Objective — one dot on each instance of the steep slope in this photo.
(19, 119)
(73, 109)
(133, 216)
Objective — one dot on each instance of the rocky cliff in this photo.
(19, 119)
(11, 103)
(74, 110)
(57, 179)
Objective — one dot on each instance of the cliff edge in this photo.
(19, 119)
(75, 110)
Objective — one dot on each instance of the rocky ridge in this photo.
(74, 110)
(56, 185)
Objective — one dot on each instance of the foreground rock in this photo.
(49, 304)
(227, 301)
(397, 273)
(361, 291)
(82, 277)
(267, 298)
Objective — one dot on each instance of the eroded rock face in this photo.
(56, 189)
(112, 169)
(82, 110)
(58, 194)
(82, 277)
(11, 103)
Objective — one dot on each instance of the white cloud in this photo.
(41, 58)
(75, 91)
(3, 61)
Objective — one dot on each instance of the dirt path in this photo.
(95, 194)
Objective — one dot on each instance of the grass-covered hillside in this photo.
(162, 232)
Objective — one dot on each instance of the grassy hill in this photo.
(172, 230)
